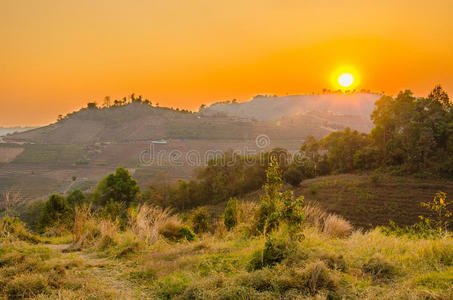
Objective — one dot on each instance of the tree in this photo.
(232, 213)
(56, 212)
(76, 198)
(92, 105)
(119, 187)
(293, 175)
(278, 207)
(442, 209)
(440, 95)
(106, 101)
(200, 220)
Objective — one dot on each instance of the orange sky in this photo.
(56, 55)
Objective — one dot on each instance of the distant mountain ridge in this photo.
(272, 107)
(289, 117)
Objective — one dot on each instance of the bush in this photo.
(174, 231)
(293, 176)
(76, 198)
(232, 213)
(275, 250)
(119, 187)
(200, 220)
(56, 213)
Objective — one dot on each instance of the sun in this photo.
(346, 79)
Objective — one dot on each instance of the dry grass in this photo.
(150, 221)
(330, 224)
(314, 214)
(336, 226)
(85, 228)
(248, 210)
(108, 230)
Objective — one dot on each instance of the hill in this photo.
(11, 130)
(273, 107)
(282, 117)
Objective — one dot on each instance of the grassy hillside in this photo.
(138, 121)
(126, 265)
(274, 107)
(370, 200)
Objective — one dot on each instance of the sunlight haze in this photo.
(58, 55)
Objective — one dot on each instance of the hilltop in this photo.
(290, 117)
(263, 107)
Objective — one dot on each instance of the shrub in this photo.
(441, 208)
(275, 250)
(76, 198)
(56, 213)
(232, 213)
(278, 207)
(336, 226)
(379, 267)
(200, 220)
(115, 211)
(175, 231)
(119, 187)
(293, 176)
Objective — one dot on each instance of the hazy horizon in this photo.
(57, 56)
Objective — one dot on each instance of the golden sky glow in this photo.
(56, 55)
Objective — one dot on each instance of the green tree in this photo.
(56, 212)
(232, 213)
(278, 207)
(119, 187)
(76, 198)
(200, 220)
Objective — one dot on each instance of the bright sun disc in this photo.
(345, 79)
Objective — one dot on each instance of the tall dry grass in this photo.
(85, 228)
(150, 221)
(329, 224)
(248, 210)
(336, 226)
(315, 214)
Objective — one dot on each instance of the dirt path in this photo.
(110, 273)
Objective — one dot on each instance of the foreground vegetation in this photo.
(367, 265)
(278, 248)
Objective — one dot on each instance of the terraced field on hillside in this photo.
(366, 202)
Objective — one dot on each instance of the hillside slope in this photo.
(269, 108)
(366, 202)
(291, 117)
